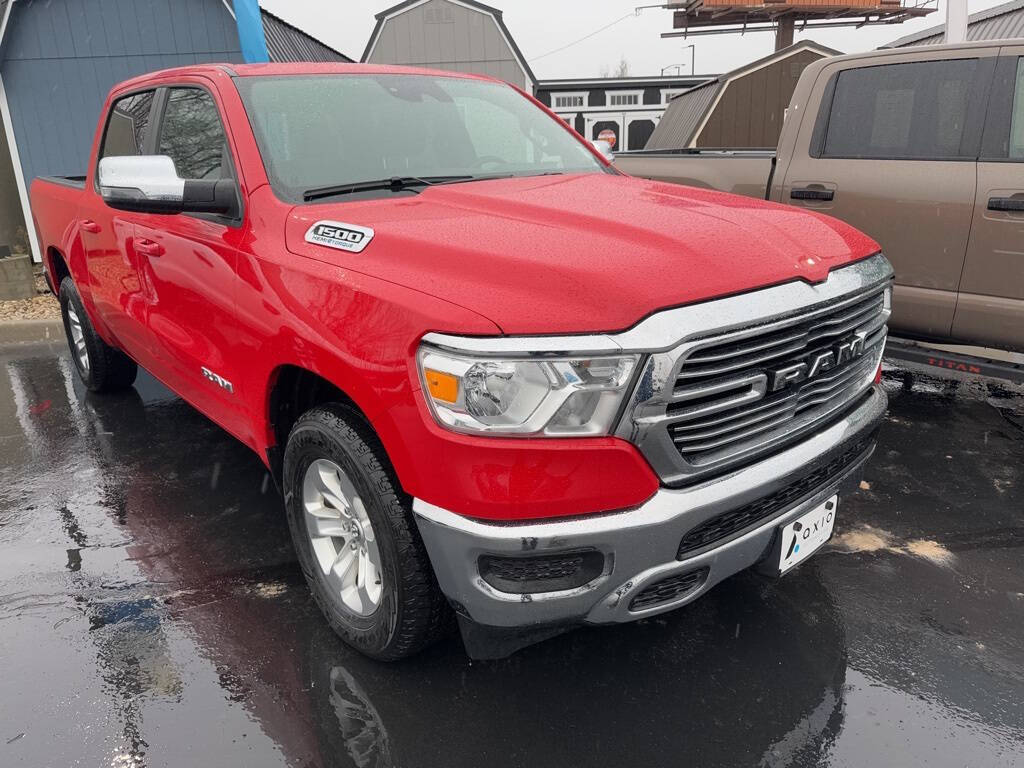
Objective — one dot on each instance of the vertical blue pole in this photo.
(250, 31)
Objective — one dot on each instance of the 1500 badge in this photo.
(336, 234)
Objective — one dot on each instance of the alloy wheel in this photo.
(342, 537)
(78, 338)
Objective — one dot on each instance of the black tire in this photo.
(412, 613)
(104, 369)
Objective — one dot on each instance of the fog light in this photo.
(541, 573)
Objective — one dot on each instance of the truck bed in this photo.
(56, 201)
(740, 171)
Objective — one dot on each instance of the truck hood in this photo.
(580, 253)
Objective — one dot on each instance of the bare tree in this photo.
(621, 69)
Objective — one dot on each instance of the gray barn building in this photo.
(1000, 22)
(456, 35)
(59, 58)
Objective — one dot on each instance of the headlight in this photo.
(567, 396)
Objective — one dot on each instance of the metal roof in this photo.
(686, 112)
(1000, 22)
(285, 42)
(654, 81)
(289, 43)
(682, 116)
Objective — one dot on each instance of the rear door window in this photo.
(910, 111)
(1017, 115)
(127, 124)
(192, 135)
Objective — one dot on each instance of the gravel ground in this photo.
(43, 306)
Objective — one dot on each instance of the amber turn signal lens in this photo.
(442, 386)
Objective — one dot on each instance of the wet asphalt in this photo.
(152, 614)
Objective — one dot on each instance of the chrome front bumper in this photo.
(639, 545)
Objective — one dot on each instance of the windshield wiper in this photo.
(395, 184)
(402, 183)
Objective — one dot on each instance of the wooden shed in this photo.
(743, 108)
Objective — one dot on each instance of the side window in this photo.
(910, 111)
(126, 126)
(1017, 116)
(192, 135)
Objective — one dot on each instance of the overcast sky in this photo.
(540, 26)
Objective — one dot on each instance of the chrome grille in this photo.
(709, 429)
(778, 346)
(709, 404)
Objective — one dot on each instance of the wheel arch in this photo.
(56, 269)
(292, 390)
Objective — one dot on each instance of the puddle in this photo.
(931, 551)
(269, 589)
(870, 539)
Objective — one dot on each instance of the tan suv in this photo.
(923, 149)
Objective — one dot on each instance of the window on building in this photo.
(192, 135)
(907, 111)
(1017, 119)
(126, 128)
(623, 99)
(570, 100)
(667, 96)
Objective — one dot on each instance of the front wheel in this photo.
(355, 537)
(101, 367)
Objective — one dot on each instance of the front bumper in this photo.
(640, 545)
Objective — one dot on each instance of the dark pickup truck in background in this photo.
(921, 148)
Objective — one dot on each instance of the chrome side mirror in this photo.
(150, 184)
(605, 149)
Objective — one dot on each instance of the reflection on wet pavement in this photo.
(152, 613)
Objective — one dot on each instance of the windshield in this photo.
(324, 130)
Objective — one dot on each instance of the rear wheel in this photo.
(356, 539)
(101, 367)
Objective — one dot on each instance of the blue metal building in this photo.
(59, 58)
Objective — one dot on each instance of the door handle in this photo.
(812, 193)
(90, 226)
(1006, 204)
(149, 248)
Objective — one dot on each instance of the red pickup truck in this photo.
(493, 377)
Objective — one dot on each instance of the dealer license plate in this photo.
(807, 533)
